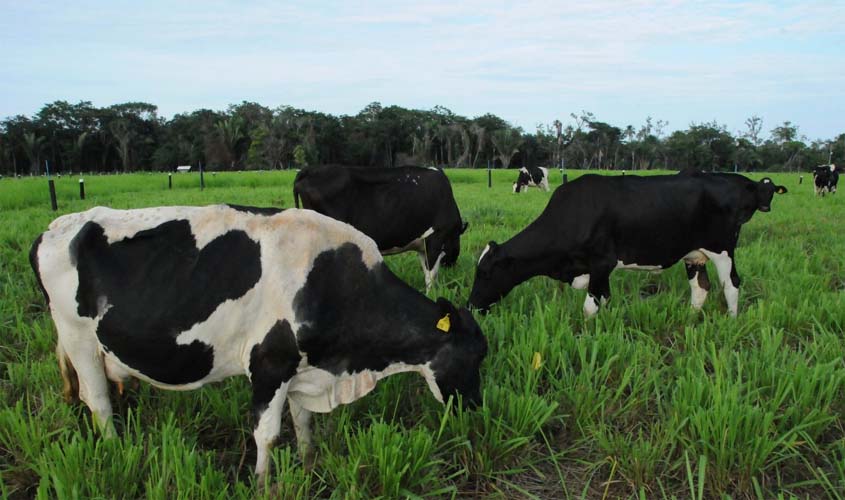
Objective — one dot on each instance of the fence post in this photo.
(81, 189)
(53, 203)
(169, 181)
(52, 186)
(202, 179)
(800, 179)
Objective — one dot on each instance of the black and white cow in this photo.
(299, 302)
(825, 179)
(532, 177)
(596, 224)
(402, 208)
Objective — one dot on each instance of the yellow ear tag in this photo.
(537, 361)
(444, 323)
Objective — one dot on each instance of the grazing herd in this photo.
(301, 302)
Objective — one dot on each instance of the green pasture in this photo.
(647, 400)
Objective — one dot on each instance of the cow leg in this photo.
(269, 416)
(598, 289)
(302, 426)
(432, 274)
(699, 284)
(84, 355)
(728, 277)
(70, 380)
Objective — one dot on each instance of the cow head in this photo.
(457, 364)
(493, 277)
(764, 190)
(452, 244)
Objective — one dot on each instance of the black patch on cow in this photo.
(267, 211)
(33, 261)
(701, 271)
(156, 285)
(271, 363)
(355, 319)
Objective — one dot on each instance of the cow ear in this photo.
(448, 318)
(464, 227)
(781, 190)
(444, 306)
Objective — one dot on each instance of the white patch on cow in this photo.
(544, 184)
(417, 244)
(483, 253)
(695, 257)
(591, 306)
(638, 267)
(832, 167)
(724, 264)
(581, 282)
(514, 186)
(766, 181)
(320, 391)
(524, 170)
(267, 430)
(430, 275)
(698, 294)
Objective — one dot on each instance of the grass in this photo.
(647, 400)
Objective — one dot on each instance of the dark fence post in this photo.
(81, 189)
(53, 195)
(202, 179)
(623, 172)
(489, 175)
(800, 179)
(169, 181)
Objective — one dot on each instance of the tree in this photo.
(784, 133)
(123, 134)
(753, 127)
(480, 136)
(229, 134)
(506, 142)
(33, 146)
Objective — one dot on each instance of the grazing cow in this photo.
(402, 208)
(300, 303)
(596, 224)
(825, 179)
(532, 177)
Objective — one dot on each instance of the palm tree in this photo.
(32, 146)
(76, 152)
(480, 133)
(229, 135)
(506, 142)
(466, 152)
(123, 134)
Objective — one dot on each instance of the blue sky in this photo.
(528, 62)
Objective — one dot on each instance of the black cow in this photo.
(402, 208)
(300, 303)
(596, 224)
(825, 179)
(532, 177)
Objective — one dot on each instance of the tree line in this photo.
(133, 137)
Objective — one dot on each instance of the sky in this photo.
(529, 62)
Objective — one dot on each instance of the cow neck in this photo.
(534, 252)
